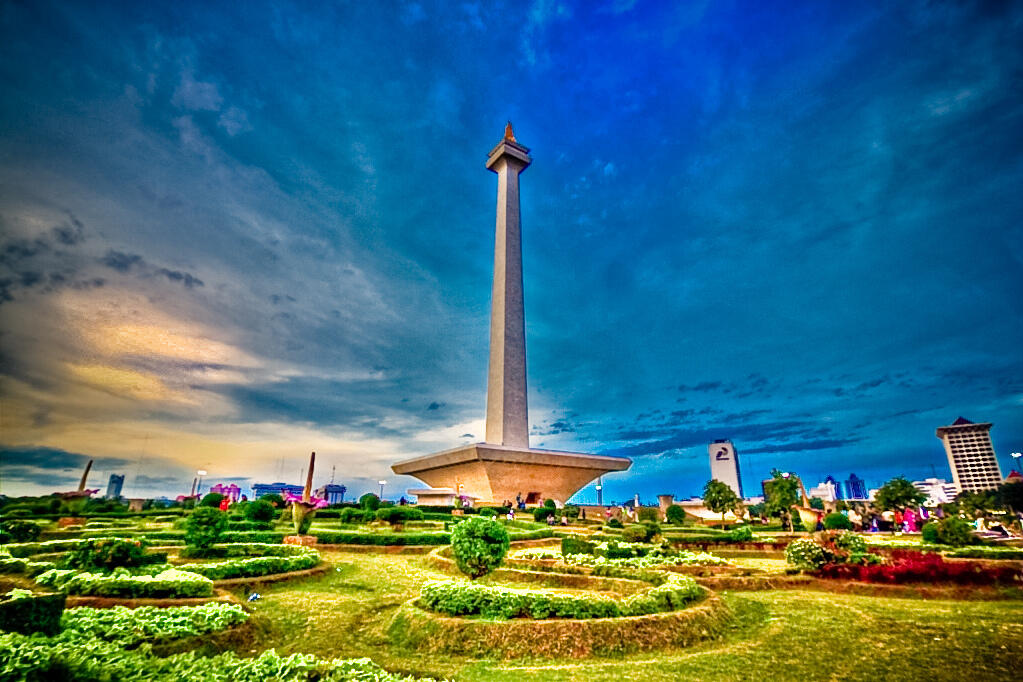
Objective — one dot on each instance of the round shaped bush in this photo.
(259, 511)
(212, 500)
(805, 554)
(955, 531)
(930, 532)
(837, 521)
(204, 527)
(676, 515)
(369, 501)
(541, 513)
(854, 543)
(488, 512)
(635, 534)
(395, 515)
(479, 545)
(550, 504)
(614, 523)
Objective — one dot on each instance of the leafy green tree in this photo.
(1010, 496)
(719, 497)
(259, 511)
(978, 503)
(817, 503)
(369, 501)
(782, 493)
(211, 500)
(649, 514)
(570, 511)
(479, 545)
(898, 493)
(837, 521)
(204, 527)
(273, 498)
(676, 515)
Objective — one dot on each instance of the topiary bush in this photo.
(614, 523)
(550, 504)
(350, 515)
(639, 533)
(212, 500)
(541, 514)
(259, 511)
(479, 545)
(397, 515)
(488, 512)
(837, 521)
(954, 531)
(369, 501)
(570, 545)
(204, 527)
(20, 530)
(930, 533)
(106, 554)
(805, 554)
(675, 515)
(740, 534)
(571, 511)
(854, 543)
(24, 612)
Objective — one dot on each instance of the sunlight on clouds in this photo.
(124, 382)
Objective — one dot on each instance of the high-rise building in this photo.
(260, 489)
(855, 488)
(333, 493)
(830, 480)
(971, 457)
(724, 464)
(114, 486)
(938, 491)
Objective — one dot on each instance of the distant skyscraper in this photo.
(724, 464)
(971, 457)
(114, 486)
(837, 485)
(260, 489)
(855, 488)
(333, 493)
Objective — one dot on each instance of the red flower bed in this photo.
(918, 567)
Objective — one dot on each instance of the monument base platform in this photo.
(498, 474)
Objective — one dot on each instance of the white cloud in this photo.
(196, 95)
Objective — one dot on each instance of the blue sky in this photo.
(232, 235)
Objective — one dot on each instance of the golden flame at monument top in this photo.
(509, 134)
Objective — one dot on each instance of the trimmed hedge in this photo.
(457, 598)
(29, 613)
(381, 539)
(27, 549)
(242, 550)
(169, 583)
(254, 567)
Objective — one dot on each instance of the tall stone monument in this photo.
(504, 468)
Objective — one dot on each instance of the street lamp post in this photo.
(382, 484)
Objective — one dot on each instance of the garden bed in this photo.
(414, 627)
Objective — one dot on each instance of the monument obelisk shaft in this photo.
(507, 413)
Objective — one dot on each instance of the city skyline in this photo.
(232, 238)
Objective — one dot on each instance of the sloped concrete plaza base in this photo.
(498, 473)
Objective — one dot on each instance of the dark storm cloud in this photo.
(51, 466)
(129, 262)
(122, 262)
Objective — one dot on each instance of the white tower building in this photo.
(724, 464)
(971, 456)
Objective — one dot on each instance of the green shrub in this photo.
(249, 525)
(9, 564)
(274, 499)
(20, 530)
(837, 521)
(570, 545)
(369, 501)
(543, 513)
(805, 554)
(457, 598)
(614, 523)
(396, 515)
(488, 512)
(354, 537)
(675, 515)
(740, 534)
(211, 500)
(170, 583)
(954, 531)
(649, 514)
(255, 566)
(205, 526)
(571, 512)
(131, 627)
(350, 515)
(550, 504)
(854, 543)
(106, 554)
(930, 532)
(259, 511)
(26, 613)
(479, 545)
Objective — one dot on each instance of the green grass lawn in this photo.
(778, 635)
